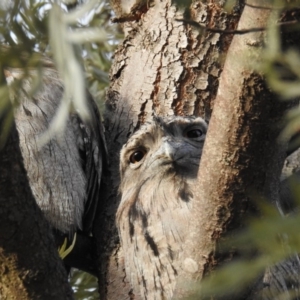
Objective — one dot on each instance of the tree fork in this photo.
(167, 67)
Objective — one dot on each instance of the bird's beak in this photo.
(169, 149)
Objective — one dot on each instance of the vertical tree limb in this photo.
(241, 155)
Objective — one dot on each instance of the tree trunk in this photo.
(30, 265)
(162, 67)
(165, 67)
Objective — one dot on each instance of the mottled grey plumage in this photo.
(159, 166)
(65, 173)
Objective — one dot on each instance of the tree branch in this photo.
(241, 155)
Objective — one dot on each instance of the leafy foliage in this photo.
(81, 40)
(266, 241)
(84, 285)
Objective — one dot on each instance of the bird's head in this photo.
(169, 145)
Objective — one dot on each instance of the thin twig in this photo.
(240, 31)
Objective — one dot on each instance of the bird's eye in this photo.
(137, 156)
(194, 133)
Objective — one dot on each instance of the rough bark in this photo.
(168, 68)
(241, 154)
(162, 67)
(30, 265)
